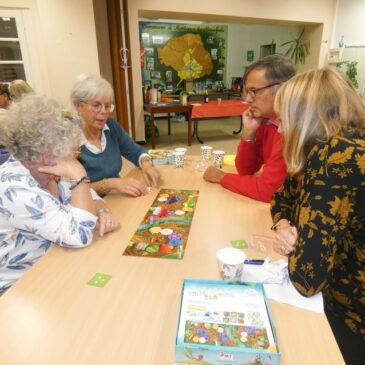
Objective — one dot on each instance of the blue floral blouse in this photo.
(31, 219)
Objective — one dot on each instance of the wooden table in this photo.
(167, 108)
(52, 317)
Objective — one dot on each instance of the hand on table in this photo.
(130, 186)
(285, 238)
(213, 175)
(150, 173)
(107, 222)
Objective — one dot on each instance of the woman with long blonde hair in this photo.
(319, 213)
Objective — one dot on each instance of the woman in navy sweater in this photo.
(105, 140)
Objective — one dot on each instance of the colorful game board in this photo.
(220, 316)
(165, 228)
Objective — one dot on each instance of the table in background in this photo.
(52, 317)
(167, 108)
(212, 95)
(213, 109)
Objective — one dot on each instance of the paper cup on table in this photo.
(181, 149)
(230, 263)
(179, 159)
(206, 152)
(219, 100)
(218, 158)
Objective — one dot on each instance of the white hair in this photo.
(37, 125)
(86, 87)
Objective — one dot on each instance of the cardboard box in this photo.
(161, 157)
(225, 323)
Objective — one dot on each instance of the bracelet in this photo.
(76, 183)
(103, 210)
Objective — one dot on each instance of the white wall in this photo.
(245, 37)
(350, 24)
(63, 42)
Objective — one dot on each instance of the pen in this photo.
(254, 262)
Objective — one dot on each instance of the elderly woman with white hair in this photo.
(106, 141)
(45, 197)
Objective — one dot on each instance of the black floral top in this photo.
(327, 206)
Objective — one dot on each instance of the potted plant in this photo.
(351, 71)
(298, 48)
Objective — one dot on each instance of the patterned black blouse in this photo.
(327, 206)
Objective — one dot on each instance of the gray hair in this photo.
(18, 88)
(86, 87)
(37, 125)
(277, 68)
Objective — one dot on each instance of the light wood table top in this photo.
(52, 317)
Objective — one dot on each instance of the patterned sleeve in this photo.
(34, 210)
(325, 214)
(283, 201)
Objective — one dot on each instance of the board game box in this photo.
(161, 157)
(225, 323)
(165, 228)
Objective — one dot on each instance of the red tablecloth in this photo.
(227, 108)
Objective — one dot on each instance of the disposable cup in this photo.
(206, 152)
(230, 263)
(218, 158)
(179, 159)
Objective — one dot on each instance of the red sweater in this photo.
(265, 150)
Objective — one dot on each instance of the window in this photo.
(14, 60)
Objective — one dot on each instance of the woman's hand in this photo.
(69, 168)
(107, 222)
(150, 173)
(285, 238)
(129, 186)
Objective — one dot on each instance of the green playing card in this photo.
(239, 244)
(99, 280)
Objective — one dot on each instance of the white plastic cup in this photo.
(179, 159)
(219, 100)
(181, 149)
(218, 158)
(206, 152)
(153, 96)
(230, 263)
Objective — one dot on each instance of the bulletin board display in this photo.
(172, 54)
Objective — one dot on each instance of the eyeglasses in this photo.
(253, 92)
(97, 107)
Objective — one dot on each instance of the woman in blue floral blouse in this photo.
(45, 197)
(319, 213)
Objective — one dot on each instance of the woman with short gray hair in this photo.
(44, 192)
(105, 140)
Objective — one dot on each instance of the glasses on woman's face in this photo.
(97, 107)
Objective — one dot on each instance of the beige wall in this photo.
(64, 42)
(231, 11)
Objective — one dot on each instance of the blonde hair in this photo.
(37, 125)
(313, 107)
(18, 88)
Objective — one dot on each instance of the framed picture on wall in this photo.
(267, 49)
